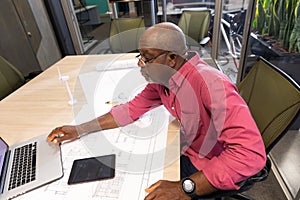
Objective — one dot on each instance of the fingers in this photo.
(150, 196)
(150, 190)
(152, 187)
(57, 136)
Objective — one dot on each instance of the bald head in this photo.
(165, 36)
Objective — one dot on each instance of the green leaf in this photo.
(260, 17)
(295, 37)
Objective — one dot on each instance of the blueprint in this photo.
(139, 147)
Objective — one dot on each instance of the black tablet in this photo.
(92, 169)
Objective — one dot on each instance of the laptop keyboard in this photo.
(24, 165)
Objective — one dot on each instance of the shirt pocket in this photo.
(189, 125)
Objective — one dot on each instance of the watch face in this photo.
(188, 186)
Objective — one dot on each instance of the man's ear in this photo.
(173, 56)
(172, 59)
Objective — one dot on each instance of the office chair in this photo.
(125, 34)
(194, 25)
(10, 78)
(273, 98)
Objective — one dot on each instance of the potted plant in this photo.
(277, 22)
(276, 29)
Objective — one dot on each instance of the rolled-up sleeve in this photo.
(129, 112)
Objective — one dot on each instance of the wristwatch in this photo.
(189, 187)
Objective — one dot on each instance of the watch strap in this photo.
(192, 194)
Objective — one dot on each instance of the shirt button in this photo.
(172, 108)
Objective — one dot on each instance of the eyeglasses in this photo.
(149, 60)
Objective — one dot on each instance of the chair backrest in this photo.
(125, 34)
(10, 78)
(194, 25)
(273, 98)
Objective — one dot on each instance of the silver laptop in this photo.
(28, 165)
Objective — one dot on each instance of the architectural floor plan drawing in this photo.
(139, 163)
(139, 147)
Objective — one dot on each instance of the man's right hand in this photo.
(69, 133)
(63, 133)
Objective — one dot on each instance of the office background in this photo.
(36, 34)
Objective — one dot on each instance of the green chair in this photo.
(10, 78)
(125, 34)
(273, 98)
(194, 25)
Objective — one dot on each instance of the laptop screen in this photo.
(3, 149)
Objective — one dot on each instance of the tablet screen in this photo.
(92, 169)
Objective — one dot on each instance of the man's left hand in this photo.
(165, 190)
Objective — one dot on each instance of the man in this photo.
(221, 143)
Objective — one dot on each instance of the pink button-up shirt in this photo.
(219, 133)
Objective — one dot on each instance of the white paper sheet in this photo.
(139, 147)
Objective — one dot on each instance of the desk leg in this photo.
(298, 195)
(132, 11)
(115, 12)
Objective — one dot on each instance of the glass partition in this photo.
(274, 28)
(272, 32)
(228, 31)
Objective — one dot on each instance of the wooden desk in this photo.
(42, 104)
